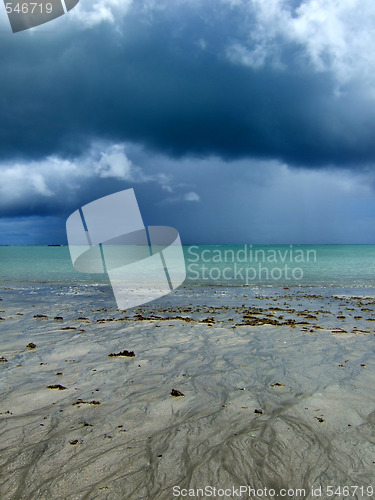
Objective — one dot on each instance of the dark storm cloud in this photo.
(203, 108)
(166, 82)
(208, 200)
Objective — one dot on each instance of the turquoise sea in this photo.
(247, 265)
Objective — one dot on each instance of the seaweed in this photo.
(129, 354)
(176, 393)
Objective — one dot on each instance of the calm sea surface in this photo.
(247, 265)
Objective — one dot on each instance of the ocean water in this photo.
(349, 266)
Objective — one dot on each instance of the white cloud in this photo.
(90, 13)
(29, 180)
(114, 163)
(335, 35)
(183, 197)
(254, 58)
(191, 196)
(23, 182)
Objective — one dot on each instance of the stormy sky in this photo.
(235, 121)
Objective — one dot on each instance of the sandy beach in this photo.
(273, 389)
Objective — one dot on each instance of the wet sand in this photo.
(272, 389)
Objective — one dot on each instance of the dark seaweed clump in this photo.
(129, 354)
(176, 393)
